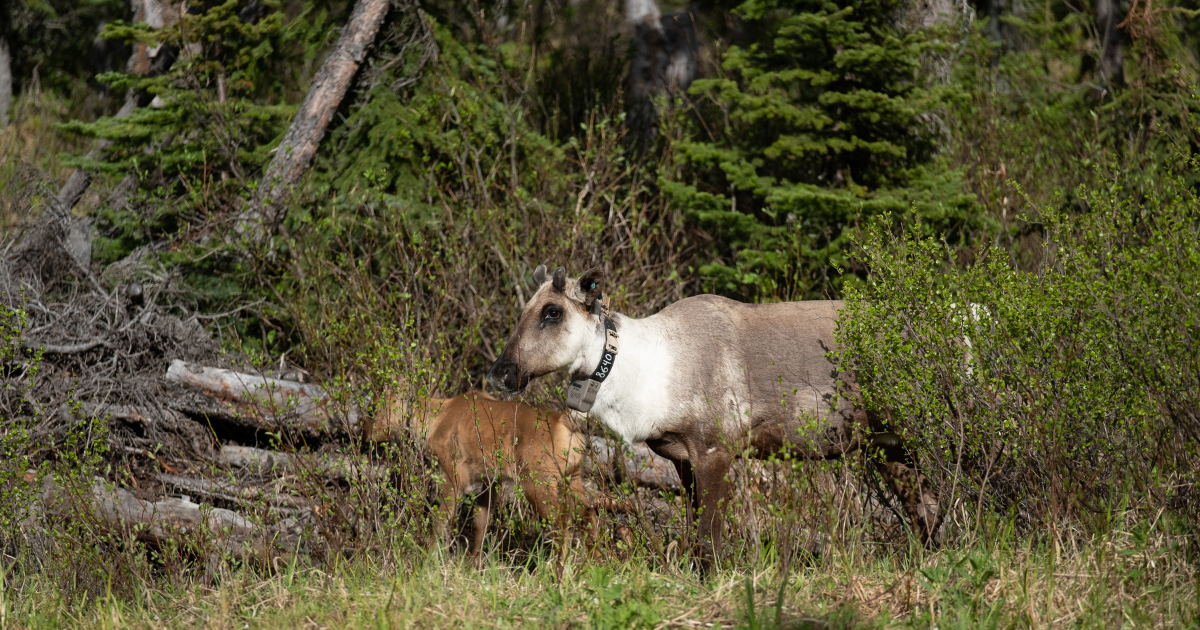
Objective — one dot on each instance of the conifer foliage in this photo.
(207, 124)
(819, 119)
(206, 118)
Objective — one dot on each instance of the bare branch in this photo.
(72, 349)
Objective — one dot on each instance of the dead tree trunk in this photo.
(300, 144)
(262, 461)
(158, 522)
(6, 88)
(666, 61)
(1112, 36)
(233, 494)
(265, 403)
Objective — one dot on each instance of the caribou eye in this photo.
(552, 313)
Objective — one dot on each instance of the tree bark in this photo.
(1112, 36)
(300, 144)
(6, 85)
(233, 494)
(158, 522)
(256, 459)
(156, 14)
(262, 461)
(264, 403)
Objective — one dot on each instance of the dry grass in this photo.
(1125, 579)
(29, 154)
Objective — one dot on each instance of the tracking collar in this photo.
(581, 395)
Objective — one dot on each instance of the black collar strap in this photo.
(581, 395)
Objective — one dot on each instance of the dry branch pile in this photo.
(111, 346)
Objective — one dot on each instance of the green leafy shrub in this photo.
(1048, 395)
(15, 421)
(46, 476)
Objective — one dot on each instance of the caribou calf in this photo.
(485, 446)
(703, 379)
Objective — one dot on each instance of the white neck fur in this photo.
(633, 402)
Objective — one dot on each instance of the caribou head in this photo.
(554, 331)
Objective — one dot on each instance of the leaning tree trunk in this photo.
(1112, 72)
(298, 147)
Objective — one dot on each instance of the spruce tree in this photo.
(207, 123)
(822, 118)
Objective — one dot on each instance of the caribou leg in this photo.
(910, 484)
(484, 504)
(703, 475)
(712, 488)
(691, 501)
(671, 447)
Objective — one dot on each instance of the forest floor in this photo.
(1122, 581)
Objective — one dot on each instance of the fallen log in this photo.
(257, 459)
(631, 462)
(232, 494)
(261, 402)
(261, 460)
(241, 387)
(270, 404)
(157, 522)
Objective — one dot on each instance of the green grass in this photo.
(1125, 580)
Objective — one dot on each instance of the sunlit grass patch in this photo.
(1138, 578)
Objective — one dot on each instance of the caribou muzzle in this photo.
(506, 376)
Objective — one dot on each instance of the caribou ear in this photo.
(560, 278)
(539, 275)
(591, 286)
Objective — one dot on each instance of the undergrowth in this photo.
(1128, 577)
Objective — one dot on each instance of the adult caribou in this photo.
(703, 379)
